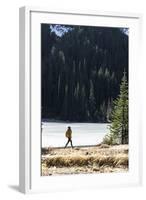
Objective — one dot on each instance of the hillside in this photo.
(81, 71)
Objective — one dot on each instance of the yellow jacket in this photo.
(68, 133)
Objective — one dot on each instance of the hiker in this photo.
(68, 134)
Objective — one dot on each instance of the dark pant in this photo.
(69, 140)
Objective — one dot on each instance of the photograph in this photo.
(84, 99)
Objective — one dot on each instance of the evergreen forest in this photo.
(81, 71)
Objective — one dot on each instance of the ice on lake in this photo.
(53, 133)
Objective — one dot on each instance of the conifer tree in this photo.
(92, 104)
(119, 118)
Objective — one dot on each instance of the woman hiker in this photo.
(68, 134)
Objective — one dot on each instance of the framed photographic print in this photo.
(79, 100)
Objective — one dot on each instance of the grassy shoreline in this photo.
(97, 159)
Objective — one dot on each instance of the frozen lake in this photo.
(53, 133)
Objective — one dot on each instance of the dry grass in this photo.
(99, 159)
(80, 161)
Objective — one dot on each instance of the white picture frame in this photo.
(29, 140)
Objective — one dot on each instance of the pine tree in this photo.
(92, 104)
(109, 109)
(119, 118)
(65, 103)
